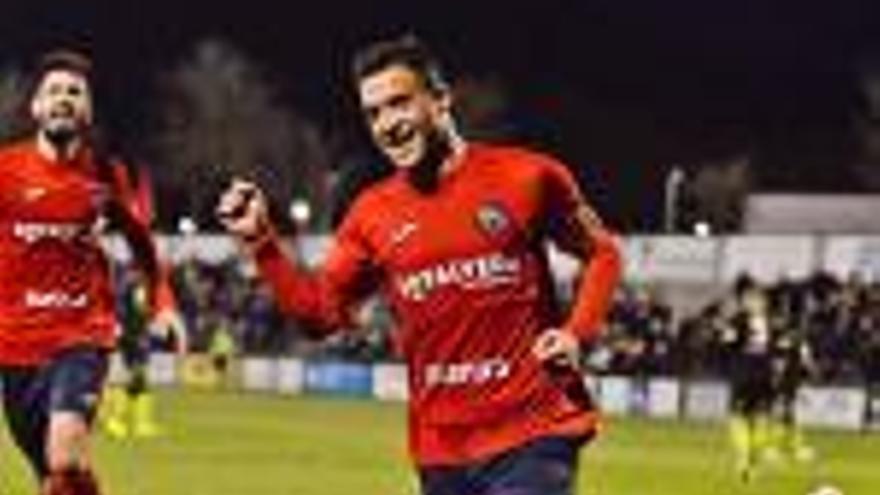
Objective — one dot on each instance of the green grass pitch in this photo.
(243, 444)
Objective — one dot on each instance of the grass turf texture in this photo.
(242, 444)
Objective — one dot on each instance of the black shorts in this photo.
(752, 384)
(545, 466)
(788, 386)
(135, 350)
(70, 382)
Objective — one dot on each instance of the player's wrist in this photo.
(258, 238)
(575, 339)
(573, 332)
(264, 247)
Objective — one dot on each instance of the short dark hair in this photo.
(59, 59)
(64, 59)
(407, 50)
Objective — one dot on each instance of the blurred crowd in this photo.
(226, 308)
(830, 326)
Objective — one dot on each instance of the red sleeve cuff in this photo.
(595, 294)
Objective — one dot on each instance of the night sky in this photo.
(621, 89)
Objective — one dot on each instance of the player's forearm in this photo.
(297, 292)
(146, 258)
(601, 274)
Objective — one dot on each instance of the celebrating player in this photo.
(56, 301)
(456, 241)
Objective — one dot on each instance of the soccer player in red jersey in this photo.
(455, 239)
(56, 302)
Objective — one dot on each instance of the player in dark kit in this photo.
(56, 301)
(750, 370)
(455, 240)
(128, 411)
(792, 364)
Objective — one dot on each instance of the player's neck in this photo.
(55, 153)
(457, 147)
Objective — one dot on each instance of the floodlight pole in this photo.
(674, 179)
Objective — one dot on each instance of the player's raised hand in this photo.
(243, 210)
(557, 349)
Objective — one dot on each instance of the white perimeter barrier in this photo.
(668, 259)
(841, 408)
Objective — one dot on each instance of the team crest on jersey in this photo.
(493, 219)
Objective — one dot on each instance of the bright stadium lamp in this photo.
(300, 211)
(187, 226)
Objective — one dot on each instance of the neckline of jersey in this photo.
(465, 161)
(78, 163)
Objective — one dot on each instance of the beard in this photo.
(60, 136)
(62, 126)
(424, 176)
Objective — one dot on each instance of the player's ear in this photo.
(90, 107)
(444, 99)
(36, 106)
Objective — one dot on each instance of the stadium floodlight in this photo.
(187, 226)
(300, 211)
(702, 229)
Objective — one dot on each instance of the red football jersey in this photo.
(466, 272)
(55, 287)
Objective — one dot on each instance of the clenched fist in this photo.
(243, 211)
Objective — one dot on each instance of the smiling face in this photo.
(62, 103)
(403, 114)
